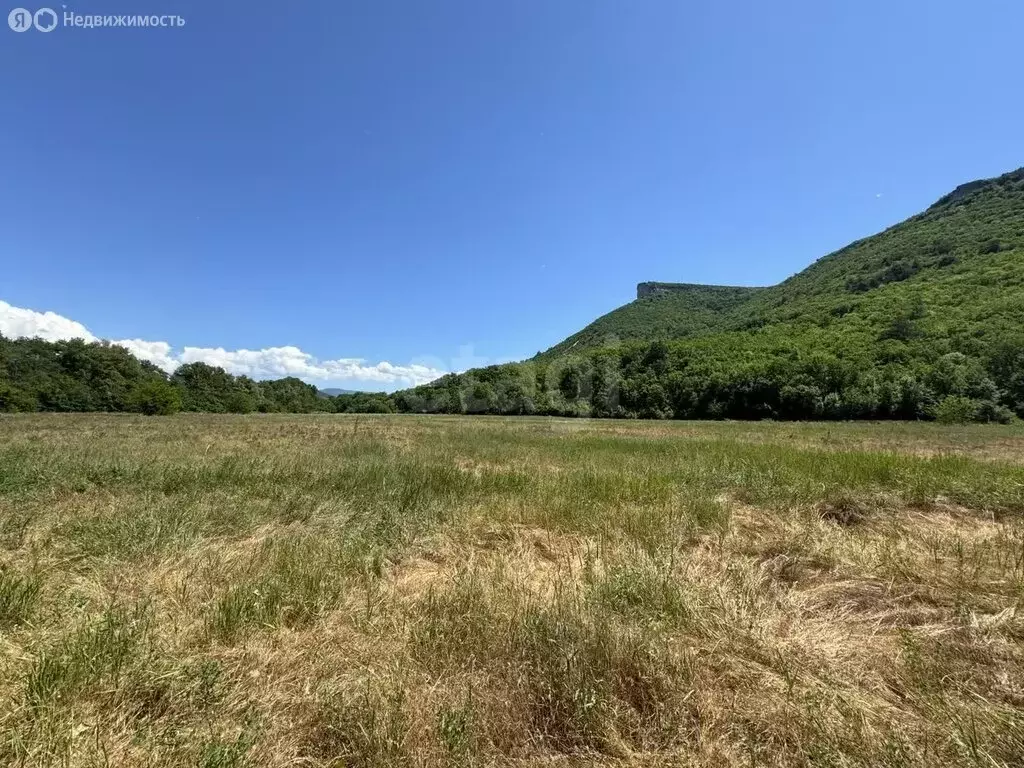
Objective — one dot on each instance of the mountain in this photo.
(662, 310)
(334, 392)
(923, 320)
(966, 223)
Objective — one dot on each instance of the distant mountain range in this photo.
(334, 392)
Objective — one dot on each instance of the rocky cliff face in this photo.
(643, 290)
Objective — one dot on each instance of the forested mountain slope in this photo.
(923, 320)
(975, 221)
(686, 310)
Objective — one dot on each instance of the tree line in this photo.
(38, 375)
(740, 377)
(736, 376)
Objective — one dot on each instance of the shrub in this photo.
(13, 400)
(940, 247)
(956, 410)
(900, 329)
(378, 404)
(240, 402)
(156, 398)
(363, 402)
(992, 412)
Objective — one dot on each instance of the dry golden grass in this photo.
(378, 591)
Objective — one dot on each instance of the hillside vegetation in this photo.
(921, 321)
(687, 310)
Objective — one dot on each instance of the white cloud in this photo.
(16, 322)
(276, 362)
(270, 363)
(157, 352)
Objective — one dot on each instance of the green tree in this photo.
(204, 387)
(956, 410)
(15, 400)
(156, 398)
(240, 401)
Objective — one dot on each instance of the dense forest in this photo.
(923, 321)
(37, 375)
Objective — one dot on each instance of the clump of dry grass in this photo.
(329, 591)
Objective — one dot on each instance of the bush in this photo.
(956, 410)
(240, 402)
(13, 400)
(379, 404)
(900, 329)
(992, 412)
(363, 402)
(156, 398)
(940, 247)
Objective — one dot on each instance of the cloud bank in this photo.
(269, 363)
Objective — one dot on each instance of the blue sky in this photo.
(402, 181)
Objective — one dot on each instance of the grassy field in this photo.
(389, 591)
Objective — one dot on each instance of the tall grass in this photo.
(377, 591)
